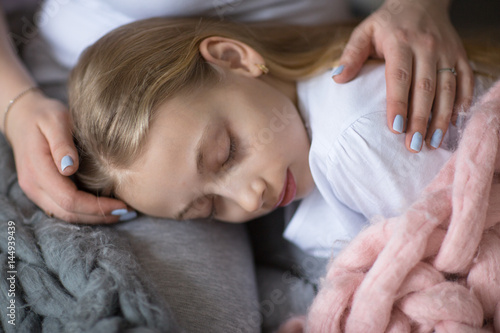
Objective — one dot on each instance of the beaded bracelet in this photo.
(11, 102)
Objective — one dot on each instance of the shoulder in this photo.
(365, 150)
(329, 108)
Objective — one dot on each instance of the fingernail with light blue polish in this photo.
(338, 70)
(398, 124)
(416, 141)
(66, 161)
(124, 214)
(120, 211)
(129, 216)
(436, 138)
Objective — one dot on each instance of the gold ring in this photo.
(49, 214)
(450, 69)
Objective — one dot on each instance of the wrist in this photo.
(17, 85)
(10, 105)
(15, 79)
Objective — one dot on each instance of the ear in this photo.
(231, 54)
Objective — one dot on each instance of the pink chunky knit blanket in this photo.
(437, 267)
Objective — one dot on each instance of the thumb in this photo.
(357, 50)
(60, 139)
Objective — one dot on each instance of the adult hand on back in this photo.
(422, 52)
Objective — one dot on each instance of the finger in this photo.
(443, 107)
(62, 212)
(41, 197)
(60, 140)
(64, 193)
(44, 185)
(465, 88)
(357, 50)
(398, 72)
(52, 209)
(421, 99)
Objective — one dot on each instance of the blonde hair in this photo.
(123, 78)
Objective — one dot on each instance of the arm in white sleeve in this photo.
(372, 173)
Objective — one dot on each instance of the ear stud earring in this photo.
(263, 68)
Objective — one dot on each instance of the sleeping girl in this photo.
(190, 118)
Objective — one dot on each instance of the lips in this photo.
(289, 191)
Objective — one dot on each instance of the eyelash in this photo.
(226, 165)
(232, 152)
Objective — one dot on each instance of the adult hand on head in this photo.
(416, 39)
(39, 131)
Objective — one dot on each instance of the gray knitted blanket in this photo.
(60, 277)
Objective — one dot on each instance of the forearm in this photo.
(14, 77)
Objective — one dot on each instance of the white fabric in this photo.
(361, 169)
(69, 26)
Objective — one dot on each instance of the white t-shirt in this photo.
(361, 169)
(69, 26)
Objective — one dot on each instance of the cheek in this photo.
(293, 140)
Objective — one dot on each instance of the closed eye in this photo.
(225, 166)
(232, 153)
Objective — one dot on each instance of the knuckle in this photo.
(356, 43)
(361, 31)
(59, 147)
(351, 51)
(426, 85)
(441, 120)
(419, 119)
(401, 75)
(402, 105)
(67, 203)
(429, 41)
(448, 87)
(402, 35)
(71, 218)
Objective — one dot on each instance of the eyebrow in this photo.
(199, 168)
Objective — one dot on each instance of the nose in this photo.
(247, 193)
